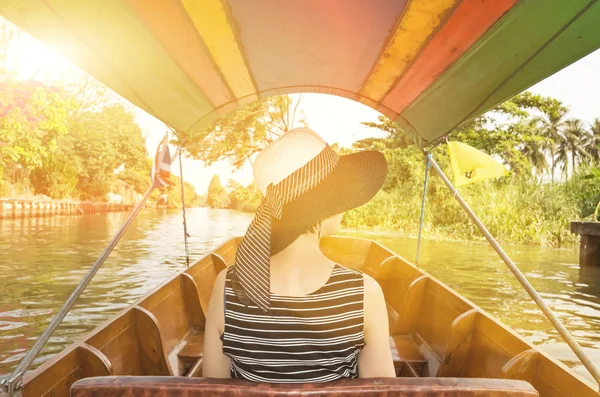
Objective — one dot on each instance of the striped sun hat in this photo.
(303, 181)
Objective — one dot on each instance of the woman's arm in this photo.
(214, 363)
(375, 359)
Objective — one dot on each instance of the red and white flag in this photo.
(161, 168)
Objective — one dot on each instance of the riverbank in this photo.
(13, 208)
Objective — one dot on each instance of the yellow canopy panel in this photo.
(428, 64)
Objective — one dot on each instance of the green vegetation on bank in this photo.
(553, 163)
(53, 143)
(72, 139)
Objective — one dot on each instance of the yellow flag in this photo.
(471, 165)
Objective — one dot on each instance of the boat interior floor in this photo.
(377, 387)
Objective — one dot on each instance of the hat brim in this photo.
(354, 181)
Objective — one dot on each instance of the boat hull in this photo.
(434, 332)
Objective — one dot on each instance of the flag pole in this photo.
(185, 231)
(14, 383)
(422, 218)
(558, 325)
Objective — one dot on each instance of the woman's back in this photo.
(311, 338)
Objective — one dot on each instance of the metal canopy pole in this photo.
(14, 383)
(562, 330)
(185, 231)
(422, 218)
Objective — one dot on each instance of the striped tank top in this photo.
(312, 338)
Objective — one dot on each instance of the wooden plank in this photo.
(227, 251)
(553, 378)
(491, 348)
(92, 362)
(52, 378)
(218, 262)
(204, 276)
(196, 370)
(347, 251)
(192, 351)
(458, 345)
(411, 307)
(439, 309)
(152, 350)
(123, 346)
(589, 251)
(521, 366)
(63, 386)
(192, 302)
(107, 333)
(168, 306)
(589, 228)
(377, 254)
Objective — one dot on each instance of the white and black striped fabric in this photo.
(313, 338)
(251, 280)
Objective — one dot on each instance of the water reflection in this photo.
(477, 272)
(42, 260)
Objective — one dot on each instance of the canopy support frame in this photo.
(422, 217)
(185, 229)
(558, 325)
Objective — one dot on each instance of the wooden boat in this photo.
(435, 333)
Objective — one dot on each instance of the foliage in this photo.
(396, 138)
(49, 141)
(102, 142)
(243, 198)
(173, 193)
(237, 136)
(216, 196)
(531, 135)
(33, 117)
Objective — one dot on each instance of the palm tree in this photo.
(573, 145)
(534, 147)
(593, 143)
(534, 151)
(551, 125)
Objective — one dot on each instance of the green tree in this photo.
(395, 137)
(101, 142)
(572, 147)
(33, 118)
(242, 133)
(550, 126)
(243, 198)
(216, 196)
(173, 193)
(592, 146)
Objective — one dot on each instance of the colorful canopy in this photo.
(429, 64)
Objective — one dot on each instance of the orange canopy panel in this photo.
(428, 64)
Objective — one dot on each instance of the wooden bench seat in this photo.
(408, 360)
(192, 350)
(136, 386)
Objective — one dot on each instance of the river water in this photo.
(43, 259)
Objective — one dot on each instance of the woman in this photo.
(284, 312)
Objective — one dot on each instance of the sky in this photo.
(337, 120)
